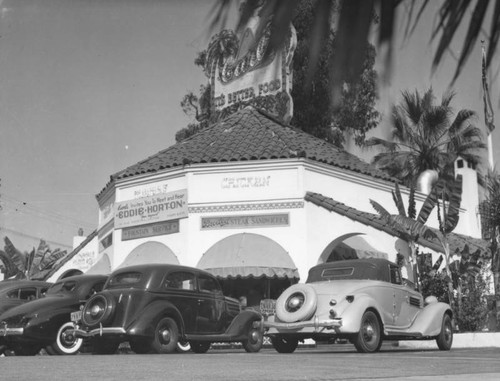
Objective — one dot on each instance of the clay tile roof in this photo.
(458, 242)
(249, 134)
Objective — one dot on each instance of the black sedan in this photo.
(13, 293)
(46, 323)
(154, 307)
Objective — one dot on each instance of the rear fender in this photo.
(144, 324)
(241, 323)
(351, 313)
(428, 322)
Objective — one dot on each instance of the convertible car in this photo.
(362, 300)
(156, 306)
(16, 292)
(45, 323)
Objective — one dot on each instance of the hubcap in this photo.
(165, 335)
(369, 332)
(254, 336)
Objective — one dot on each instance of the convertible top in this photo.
(369, 268)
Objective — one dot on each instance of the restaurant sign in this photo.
(250, 221)
(147, 210)
(150, 230)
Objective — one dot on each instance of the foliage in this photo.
(424, 137)
(354, 19)
(32, 265)
(313, 110)
(312, 106)
(473, 314)
(435, 284)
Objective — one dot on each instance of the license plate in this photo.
(76, 316)
(268, 307)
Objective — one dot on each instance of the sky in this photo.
(88, 88)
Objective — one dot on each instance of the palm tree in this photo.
(490, 216)
(425, 138)
(33, 265)
(409, 227)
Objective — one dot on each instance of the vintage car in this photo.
(156, 306)
(16, 292)
(46, 322)
(362, 300)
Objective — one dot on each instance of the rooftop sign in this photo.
(241, 73)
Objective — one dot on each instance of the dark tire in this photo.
(166, 336)
(105, 347)
(284, 344)
(200, 346)
(369, 338)
(183, 346)
(445, 338)
(255, 339)
(66, 343)
(296, 303)
(26, 350)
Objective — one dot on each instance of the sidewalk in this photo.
(460, 340)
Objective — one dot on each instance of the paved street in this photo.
(339, 362)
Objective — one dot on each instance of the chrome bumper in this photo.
(5, 331)
(99, 331)
(314, 323)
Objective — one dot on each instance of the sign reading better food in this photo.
(160, 207)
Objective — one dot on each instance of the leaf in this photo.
(455, 198)
(398, 200)
(18, 258)
(428, 205)
(380, 210)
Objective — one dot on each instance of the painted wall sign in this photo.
(251, 221)
(151, 230)
(146, 210)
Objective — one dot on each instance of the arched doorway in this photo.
(250, 266)
(150, 252)
(101, 266)
(350, 246)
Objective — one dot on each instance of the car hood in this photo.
(50, 302)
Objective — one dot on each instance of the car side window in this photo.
(27, 293)
(395, 275)
(208, 284)
(14, 294)
(180, 280)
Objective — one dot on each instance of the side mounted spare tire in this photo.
(296, 303)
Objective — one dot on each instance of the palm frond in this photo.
(398, 200)
(18, 258)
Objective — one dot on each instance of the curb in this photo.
(460, 340)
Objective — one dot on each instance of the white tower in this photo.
(469, 223)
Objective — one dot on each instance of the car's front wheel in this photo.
(200, 346)
(254, 341)
(66, 343)
(369, 338)
(284, 344)
(445, 337)
(166, 336)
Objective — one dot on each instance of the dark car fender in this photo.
(144, 324)
(241, 324)
(45, 326)
(429, 321)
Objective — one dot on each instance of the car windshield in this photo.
(67, 287)
(127, 279)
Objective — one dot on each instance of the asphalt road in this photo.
(333, 362)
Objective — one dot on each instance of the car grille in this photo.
(415, 301)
